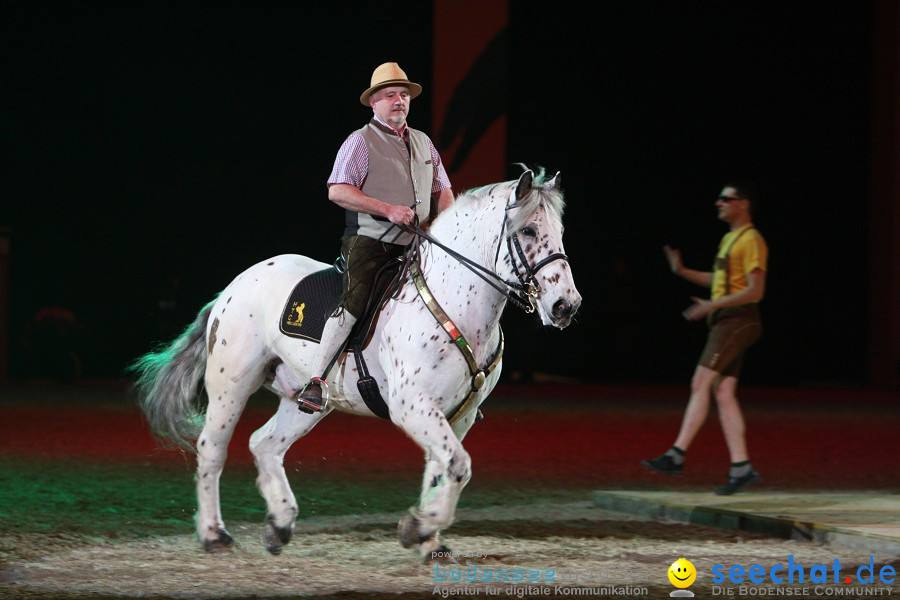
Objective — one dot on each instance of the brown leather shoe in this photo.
(310, 400)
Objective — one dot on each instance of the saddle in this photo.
(321, 292)
(316, 297)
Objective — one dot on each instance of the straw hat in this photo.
(389, 74)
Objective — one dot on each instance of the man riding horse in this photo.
(387, 176)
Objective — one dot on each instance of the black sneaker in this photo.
(663, 464)
(310, 401)
(736, 484)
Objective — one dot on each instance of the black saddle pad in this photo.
(310, 304)
(313, 300)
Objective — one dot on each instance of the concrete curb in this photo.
(868, 521)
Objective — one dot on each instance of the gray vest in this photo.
(397, 175)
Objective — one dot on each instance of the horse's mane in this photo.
(552, 199)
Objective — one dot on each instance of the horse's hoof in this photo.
(442, 555)
(275, 538)
(408, 532)
(223, 543)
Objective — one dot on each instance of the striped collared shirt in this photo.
(352, 163)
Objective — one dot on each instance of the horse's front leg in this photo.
(269, 444)
(448, 469)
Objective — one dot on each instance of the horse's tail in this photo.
(168, 384)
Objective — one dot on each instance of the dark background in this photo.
(156, 143)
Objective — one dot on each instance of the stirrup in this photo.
(326, 396)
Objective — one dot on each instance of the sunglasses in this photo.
(729, 198)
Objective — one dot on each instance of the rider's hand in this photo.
(400, 215)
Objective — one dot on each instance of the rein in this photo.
(523, 293)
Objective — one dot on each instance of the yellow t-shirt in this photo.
(745, 250)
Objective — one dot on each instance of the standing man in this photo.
(388, 177)
(738, 283)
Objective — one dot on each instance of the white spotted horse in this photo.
(435, 353)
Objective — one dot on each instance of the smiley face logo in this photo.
(682, 573)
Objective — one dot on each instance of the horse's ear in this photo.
(524, 186)
(554, 183)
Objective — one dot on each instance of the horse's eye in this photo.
(529, 232)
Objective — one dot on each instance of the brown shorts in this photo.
(364, 256)
(731, 332)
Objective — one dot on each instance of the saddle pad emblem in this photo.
(296, 320)
(310, 303)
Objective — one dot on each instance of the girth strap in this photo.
(478, 375)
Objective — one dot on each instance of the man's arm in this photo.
(444, 199)
(754, 292)
(353, 199)
(701, 278)
(440, 201)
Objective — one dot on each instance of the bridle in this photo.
(527, 288)
(525, 292)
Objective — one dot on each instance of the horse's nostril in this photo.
(561, 308)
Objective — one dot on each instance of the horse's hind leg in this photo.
(448, 469)
(269, 444)
(227, 399)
